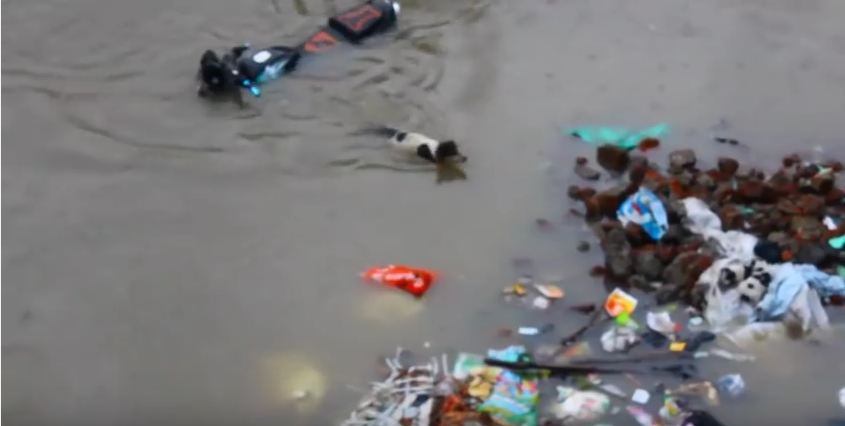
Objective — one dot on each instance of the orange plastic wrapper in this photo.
(408, 278)
(618, 302)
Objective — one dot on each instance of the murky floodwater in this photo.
(171, 261)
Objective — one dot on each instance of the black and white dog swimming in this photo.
(443, 154)
(419, 145)
(424, 147)
(434, 151)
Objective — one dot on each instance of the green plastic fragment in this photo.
(837, 242)
(623, 319)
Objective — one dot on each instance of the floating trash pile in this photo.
(696, 259)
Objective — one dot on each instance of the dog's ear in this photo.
(423, 151)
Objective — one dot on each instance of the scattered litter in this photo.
(624, 320)
(713, 226)
(550, 291)
(408, 278)
(613, 390)
(618, 136)
(514, 397)
(508, 397)
(619, 339)
(703, 390)
(662, 323)
(641, 396)
(837, 242)
(620, 301)
(670, 411)
(540, 303)
(405, 397)
(731, 384)
(517, 288)
(510, 354)
(580, 406)
(465, 364)
(534, 331)
(829, 223)
(640, 415)
(677, 346)
(645, 209)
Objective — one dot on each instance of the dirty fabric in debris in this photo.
(797, 288)
(741, 292)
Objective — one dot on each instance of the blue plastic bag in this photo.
(646, 210)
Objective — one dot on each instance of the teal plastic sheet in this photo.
(618, 136)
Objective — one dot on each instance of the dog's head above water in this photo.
(444, 152)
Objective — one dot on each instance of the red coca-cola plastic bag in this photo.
(408, 278)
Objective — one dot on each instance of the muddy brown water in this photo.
(171, 261)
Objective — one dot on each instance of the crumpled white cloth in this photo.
(702, 221)
(793, 295)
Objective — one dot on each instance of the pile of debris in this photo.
(428, 394)
(725, 252)
(736, 244)
(406, 397)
